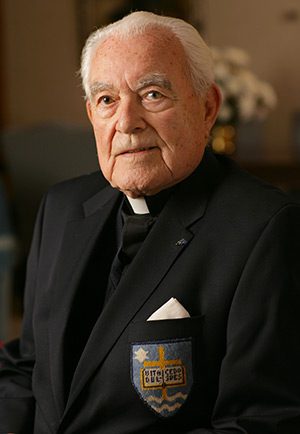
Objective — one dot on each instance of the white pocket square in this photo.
(172, 309)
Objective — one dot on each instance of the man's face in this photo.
(150, 125)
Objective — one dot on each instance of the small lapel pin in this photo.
(181, 242)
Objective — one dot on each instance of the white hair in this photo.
(198, 55)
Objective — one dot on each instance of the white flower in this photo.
(236, 56)
(267, 94)
(222, 71)
(250, 82)
(245, 97)
(234, 86)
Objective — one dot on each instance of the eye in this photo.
(153, 95)
(154, 100)
(105, 100)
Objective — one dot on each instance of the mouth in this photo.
(138, 150)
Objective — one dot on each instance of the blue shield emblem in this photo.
(162, 374)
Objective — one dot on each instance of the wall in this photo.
(47, 136)
(41, 59)
(42, 56)
(270, 31)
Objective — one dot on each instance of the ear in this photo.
(213, 102)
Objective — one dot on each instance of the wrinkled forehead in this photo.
(154, 49)
(155, 36)
(152, 52)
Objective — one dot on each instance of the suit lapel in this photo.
(124, 304)
(78, 242)
(170, 235)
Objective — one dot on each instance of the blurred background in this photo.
(45, 134)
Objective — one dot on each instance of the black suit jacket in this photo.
(227, 247)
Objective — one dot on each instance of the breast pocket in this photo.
(164, 356)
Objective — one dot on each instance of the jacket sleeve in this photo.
(17, 358)
(259, 383)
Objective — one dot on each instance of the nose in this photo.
(130, 116)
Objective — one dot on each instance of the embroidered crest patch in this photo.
(161, 373)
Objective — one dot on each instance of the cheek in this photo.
(178, 133)
(175, 126)
(184, 136)
(103, 146)
(104, 130)
(168, 128)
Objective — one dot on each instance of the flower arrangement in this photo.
(245, 97)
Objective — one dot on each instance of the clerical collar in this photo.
(138, 205)
(150, 204)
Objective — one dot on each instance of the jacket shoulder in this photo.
(81, 187)
(250, 194)
(66, 199)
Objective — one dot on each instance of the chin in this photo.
(142, 190)
(136, 189)
(141, 185)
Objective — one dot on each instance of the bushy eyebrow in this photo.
(154, 79)
(99, 86)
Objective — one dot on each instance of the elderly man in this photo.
(169, 300)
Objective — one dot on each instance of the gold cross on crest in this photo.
(162, 373)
